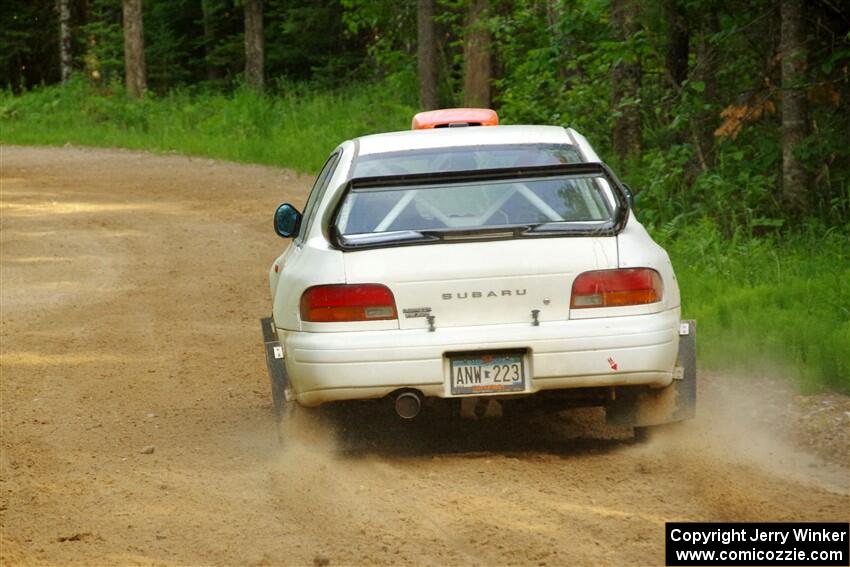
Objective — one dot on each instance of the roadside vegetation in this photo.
(729, 120)
(776, 305)
(296, 130)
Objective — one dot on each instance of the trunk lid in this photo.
(482, 283)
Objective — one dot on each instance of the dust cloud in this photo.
(743, 420)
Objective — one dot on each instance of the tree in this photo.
(625, 79)
(64, 39)
(794, 106)
(676, 55)
(705, 72)
(426, 51)
(476, 56)
(254, 44)
(134, 49)
(208, 12)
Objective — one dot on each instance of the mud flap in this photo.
(676, 402)
(275, 364)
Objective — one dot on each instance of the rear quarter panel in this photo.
(310, 261)
(637, 249)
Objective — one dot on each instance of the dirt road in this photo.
(131, 289)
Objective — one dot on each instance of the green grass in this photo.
(292, 131)
(775, 306)
(770, 305)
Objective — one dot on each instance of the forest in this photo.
(729, 119)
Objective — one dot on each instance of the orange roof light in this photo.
(447, 117)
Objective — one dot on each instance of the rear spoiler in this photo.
(447, 177)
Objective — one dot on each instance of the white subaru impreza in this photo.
(476, 267)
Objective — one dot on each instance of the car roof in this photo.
(464, 136)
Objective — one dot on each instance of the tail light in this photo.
(342, 303)
(616, 288)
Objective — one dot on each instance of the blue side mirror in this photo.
(287, 221)
(630, 197)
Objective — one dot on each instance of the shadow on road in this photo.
(576, 432)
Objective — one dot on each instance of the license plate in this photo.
(487, 373)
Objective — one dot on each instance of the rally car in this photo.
(476, 267)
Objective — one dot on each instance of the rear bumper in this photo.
(325, 367)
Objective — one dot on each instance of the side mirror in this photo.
(630, 197)
(287, 221)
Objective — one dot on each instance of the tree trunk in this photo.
(134, 49)
(426, 49)
(476, 56)
(677, 42)
(794, 106)
(207, 13)
(254, 44)
(625, 79)
(64, 39)
(705, 72)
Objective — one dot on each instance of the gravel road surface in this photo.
(137, 425)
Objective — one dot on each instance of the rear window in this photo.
(410, 211)
(465, 158)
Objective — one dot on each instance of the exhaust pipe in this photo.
(408, 405)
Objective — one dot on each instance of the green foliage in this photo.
(29, 46)
(103, 48)
(292, 130)
(390, 27)
(172, 56)
(201, 42)
(738, 196)
(557, 61)
(770, 305)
